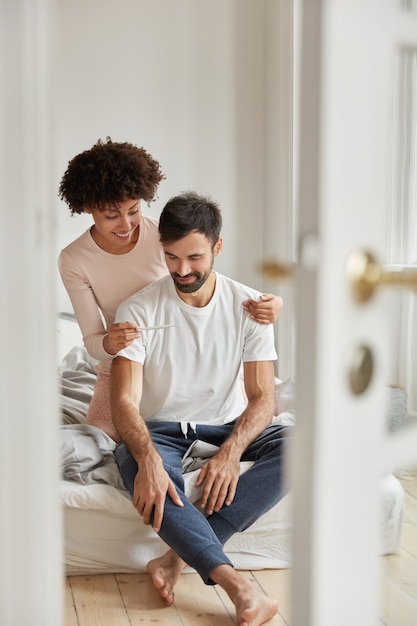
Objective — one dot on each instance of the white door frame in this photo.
(31, 576)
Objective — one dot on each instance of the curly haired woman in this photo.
(119, 255)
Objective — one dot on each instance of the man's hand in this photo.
(219, 477)
(152, 485)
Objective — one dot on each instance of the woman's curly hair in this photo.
(108, 174)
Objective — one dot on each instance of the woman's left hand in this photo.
(266, 310)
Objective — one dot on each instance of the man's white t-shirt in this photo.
(192, 372)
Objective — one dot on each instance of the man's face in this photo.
(190, 261)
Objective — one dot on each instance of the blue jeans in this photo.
(196, 539)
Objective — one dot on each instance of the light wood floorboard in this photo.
(130, 599)
(399, 580)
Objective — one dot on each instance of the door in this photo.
(352, 52)
(30, 520)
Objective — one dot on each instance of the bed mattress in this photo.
(104, 533)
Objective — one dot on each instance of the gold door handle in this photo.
(365, 275)
(276, 270)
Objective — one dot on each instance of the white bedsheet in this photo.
(104, 533)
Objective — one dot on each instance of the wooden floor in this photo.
(130, 600)
(399, 591)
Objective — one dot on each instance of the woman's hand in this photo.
(120, 336)
(266, 310)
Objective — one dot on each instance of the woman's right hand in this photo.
(120, 336)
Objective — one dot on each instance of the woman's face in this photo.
(115, 228)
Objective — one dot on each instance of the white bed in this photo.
(103, 532)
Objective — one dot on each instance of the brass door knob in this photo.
(276, 270)
(365, 275)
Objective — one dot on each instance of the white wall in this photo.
(206, 87)
(184, 79)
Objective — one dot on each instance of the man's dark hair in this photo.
(190, 212)
(107, 174)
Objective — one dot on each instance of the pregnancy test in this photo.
(157, 327)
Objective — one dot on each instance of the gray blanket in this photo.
(77, 378)
(87, 456)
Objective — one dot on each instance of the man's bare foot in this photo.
(252, 607)
(165, 572)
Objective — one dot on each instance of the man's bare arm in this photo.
(152, 482)
(126, 392)
(259, 379)
(220, 474)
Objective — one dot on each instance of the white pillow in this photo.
(68, 335)
(284, 396)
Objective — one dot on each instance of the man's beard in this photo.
(190, 287)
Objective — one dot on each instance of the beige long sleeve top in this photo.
(98, 281)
